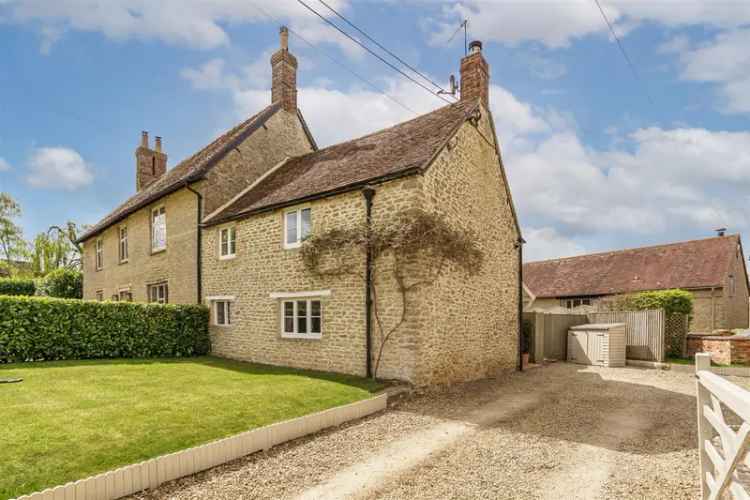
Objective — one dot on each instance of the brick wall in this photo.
(458, 329)
(723, 350)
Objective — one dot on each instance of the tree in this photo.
(414, 248)
(49, 253)
(12, 245)
(66, 237)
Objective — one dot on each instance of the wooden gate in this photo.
(723, 446)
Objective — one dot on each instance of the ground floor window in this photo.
(222, 312)
(126, 295)
(100, 295)
(301, 318)
(158, 293)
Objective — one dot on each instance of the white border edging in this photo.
(156, 471)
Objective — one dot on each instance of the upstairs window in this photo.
(158, 229)
(227, 242)
(123, 244)
(297, 226)
(158, 293)
(732, 285)
(99, 254)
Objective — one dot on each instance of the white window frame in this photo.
(300, 237)
(99, 294)
(231, 232)
(294, 297)
(127, 290)
(164, 284)
(223, 301)
(99, 254)
(158, 211)
(123, 244)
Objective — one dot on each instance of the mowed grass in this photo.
(72, 419)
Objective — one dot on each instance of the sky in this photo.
(599, 155)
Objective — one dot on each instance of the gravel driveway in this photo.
(562, 431)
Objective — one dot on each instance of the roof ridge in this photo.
(623, 250)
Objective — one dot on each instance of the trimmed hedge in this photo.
(17, 286)
(41, 328)
(672, 301)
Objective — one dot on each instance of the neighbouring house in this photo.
(713, 269)
(148, 248)
(267, 307)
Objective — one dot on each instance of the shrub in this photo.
(17, 286)
(41, 328)
(64, 283)
(672, 301)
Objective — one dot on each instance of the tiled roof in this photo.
(398, 150)
(189, 170)
(690, 264)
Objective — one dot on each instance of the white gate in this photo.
(719, 464)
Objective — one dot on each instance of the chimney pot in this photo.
(157, 146)
(284, 37)
(475, 75)
(475, 46)
(144, 139)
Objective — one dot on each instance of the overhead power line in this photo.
(336, 61)
(396, 57)
(368, 49)
(624, 52)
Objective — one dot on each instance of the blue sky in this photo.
(596, 158)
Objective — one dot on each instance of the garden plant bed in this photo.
(69, 420)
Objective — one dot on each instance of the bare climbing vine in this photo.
(414, 248)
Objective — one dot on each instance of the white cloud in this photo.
(546, 243)
(725, 60)
(4, 165)
(195, 23)
(58, 168)
(562, 22)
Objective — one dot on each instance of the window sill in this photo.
(155, 251)
(308, 336)
(292, 246)
(123, 262)
(222, 326)
(227, 257)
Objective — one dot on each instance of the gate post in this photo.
(703, 362)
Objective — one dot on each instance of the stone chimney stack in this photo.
(284, 75)
(150, 164)
(475, 75)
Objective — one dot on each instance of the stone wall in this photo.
(736, 301)
(282, 136)
(460, 328)
(175, 265)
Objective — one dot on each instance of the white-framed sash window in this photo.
(99, 254)
(227, 242)
(297, 226)
(123, 243)
(158, 229)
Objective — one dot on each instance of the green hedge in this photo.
(17, 286)
(41, 328)
(64, 283)
(672, 301)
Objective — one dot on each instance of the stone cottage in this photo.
(148, 248)
(267, 307)
(712, 269)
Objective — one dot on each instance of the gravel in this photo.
(561, 431)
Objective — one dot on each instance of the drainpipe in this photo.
(368, 192)
(199, 242)
(519, 246)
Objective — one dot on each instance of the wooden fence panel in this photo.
(644, 331)
(556, 328)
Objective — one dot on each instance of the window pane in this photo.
(220, 318)
(288, 325)
(291, 227)
(315, 308)
(232, 241)
(306, 223)
(159, 229)
(315, 325)
(302, 308)
(289, 309)
(302, 324)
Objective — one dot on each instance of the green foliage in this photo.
(64, 283)
(672, 301)
(40, 328)
(17, 286)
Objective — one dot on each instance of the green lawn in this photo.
(68, 420)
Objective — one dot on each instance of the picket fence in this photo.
(152, 473)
